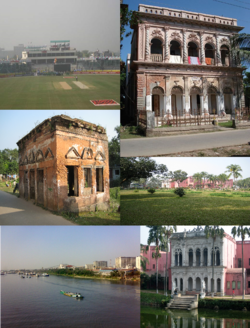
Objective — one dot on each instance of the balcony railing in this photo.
(156, 58)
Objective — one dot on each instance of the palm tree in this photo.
(240, 231)
(144, 260)
(223, 178)
(234, 170)
(168, 231)
(240, 48)
(213, 232)
(156, 236)
(198, 177)
(204, 176)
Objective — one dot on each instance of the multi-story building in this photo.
(180, 63)
(125, 262)
(63, 165)
(190, 261)
(100, 264)
(190, 182)
(59, 57)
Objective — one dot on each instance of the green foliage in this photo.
(152, 299)
(224, 304)
(9, 161)
(178, 176)
(180, 192)
(115, 193)
(220, 194)
(114, 149)
(151, 191)
(133, 168)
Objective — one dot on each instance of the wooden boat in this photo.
(75, 295)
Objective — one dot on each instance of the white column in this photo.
(166, 45)
(202, 103)
(164, 106)
(232, 103)
(168, 105)
(149, 102)
(202, 49)
(218, 104)
(218, 57)
(185, 54)
(194, 258)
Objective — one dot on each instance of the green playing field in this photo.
(57, 92)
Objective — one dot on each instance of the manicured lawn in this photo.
(228, 124)
(164, 207)
(46, 92)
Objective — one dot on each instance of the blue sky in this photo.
(210, 7)
(15, 124)
(211, 165)
(30, 247)
(145, 230)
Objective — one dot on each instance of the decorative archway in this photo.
(212, 102)
(228, 100)
(198, 284)
(195, 100)
(157, 100)
(225, 59)
(190, 257)
(177, 100)
(209, 54)
(156, 48)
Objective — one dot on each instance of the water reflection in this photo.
(151, 318)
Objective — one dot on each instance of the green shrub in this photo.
(151, 190)
(223, 194)
(180, 192)
(136, 190)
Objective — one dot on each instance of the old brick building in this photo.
(63, 165)
(180, 62)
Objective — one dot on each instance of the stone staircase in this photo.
(183, 302)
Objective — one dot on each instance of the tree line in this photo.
(9, 161)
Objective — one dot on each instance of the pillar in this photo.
(185, 55)
(147, 50)
(149, 102)
(222, 284)
(202, 103)
(218, 57)
(168, 108)
(187, 98)
(166, 58)
(218, 103)
(141, 37)
(202, 49)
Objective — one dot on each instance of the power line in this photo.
(232, 4)
(242, 1)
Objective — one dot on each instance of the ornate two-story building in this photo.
(190, 261)
(180, 62)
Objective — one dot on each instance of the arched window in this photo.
(176, 259)
(209, 54)
(190, 257)
(218, 257)
(190, 284)
(205, 256)
(156, 50)
(212, 258)
(175, 49)
(180, 259)
(224, 50)
(192, 49)
(198, 257)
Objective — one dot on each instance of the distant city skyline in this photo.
(31, 247)
(89, 25)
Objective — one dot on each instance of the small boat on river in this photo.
(75, 295)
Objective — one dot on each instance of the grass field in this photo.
(202, 207)
(46, 92)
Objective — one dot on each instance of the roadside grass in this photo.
(196, 207)
(9, 190)
(41, 92)
(129, 132)
(228, 124)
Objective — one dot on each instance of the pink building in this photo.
(190, 263)
(190, 182)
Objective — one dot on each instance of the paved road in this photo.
(173, 144)
(17, 211)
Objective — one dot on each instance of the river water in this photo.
(37, 302)
(202, 318)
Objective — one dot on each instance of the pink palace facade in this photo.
(190, 182)
(190, 262)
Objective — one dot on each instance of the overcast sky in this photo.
(211, 165)
(30, 247)
(145, 230)
(17, 123)
(89, 25)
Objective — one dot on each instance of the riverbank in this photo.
(97, 277)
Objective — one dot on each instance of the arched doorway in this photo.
(195, 101)
(206, 281)
(156, 50)
(209, 54)
(177, 101)
(218, 285)
(228, 93)
(190, 257)
(193, 49)
(190, 284)
(198, 284)
(175, 52)
(225, 60)
(157, 100)
(181, 285)
(212, 103)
